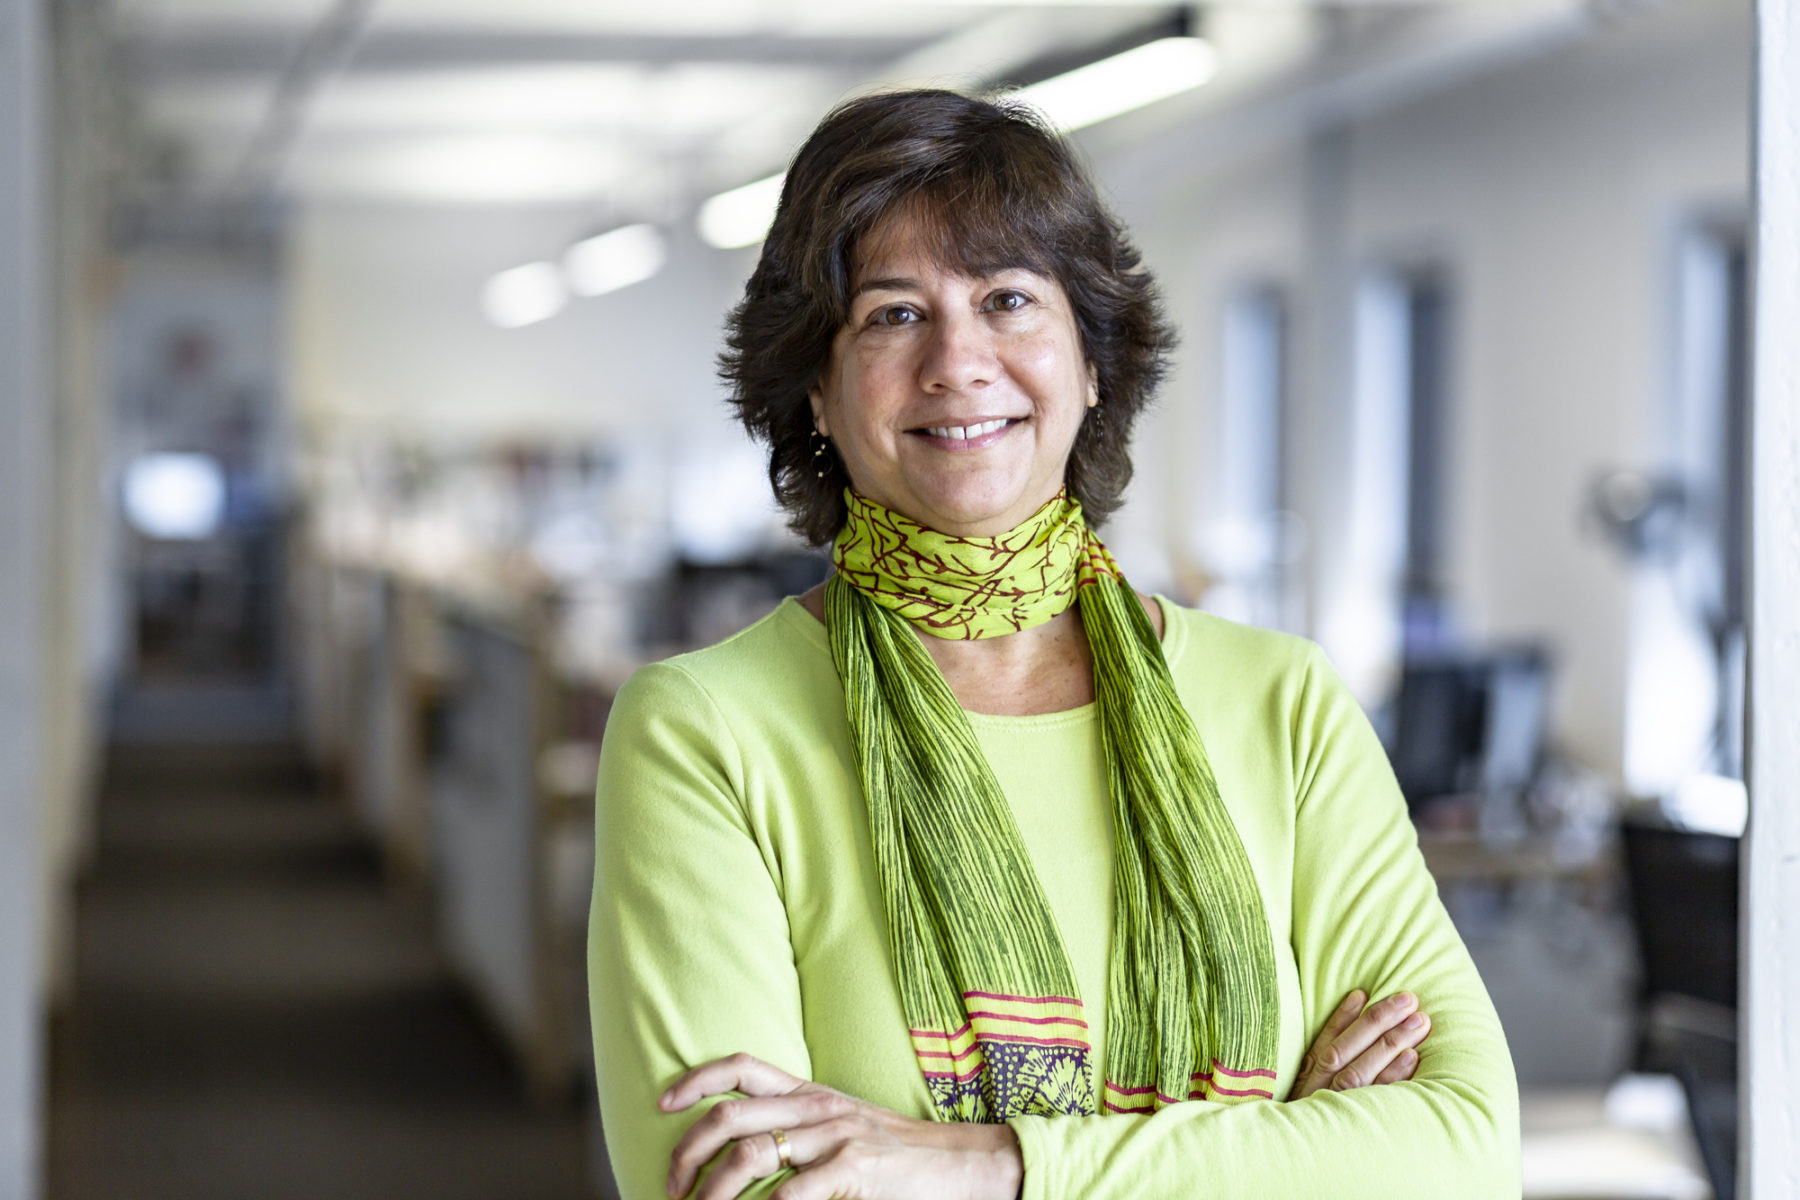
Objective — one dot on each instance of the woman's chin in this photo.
(975, 511)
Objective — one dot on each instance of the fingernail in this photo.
(1353, 1000)
(1416, 1021)
(1408, 1060)
(1405, 1000)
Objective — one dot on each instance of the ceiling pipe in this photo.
(324, 52)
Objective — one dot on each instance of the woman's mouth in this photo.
(972, 436)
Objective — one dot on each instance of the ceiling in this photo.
(639, 109)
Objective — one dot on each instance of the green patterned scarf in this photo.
(990, 996)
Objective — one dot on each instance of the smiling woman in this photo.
(972, 873)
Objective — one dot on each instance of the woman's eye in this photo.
(1010, 301)
(894, 314)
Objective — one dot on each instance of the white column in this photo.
(24, 442)
(1769, 1157)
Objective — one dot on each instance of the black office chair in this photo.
(1684, 905)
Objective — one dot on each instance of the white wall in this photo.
(1769, 1057)
(1551, 191)
(77, 555)
(24, 483)
(387, 331)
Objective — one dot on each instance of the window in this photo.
(1390, 597)
(1684, 722)
(1252, 548)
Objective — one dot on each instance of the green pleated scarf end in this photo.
(990, 997)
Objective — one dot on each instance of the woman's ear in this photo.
(816, 397)
(1093, 397)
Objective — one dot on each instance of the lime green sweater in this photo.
(736, 908)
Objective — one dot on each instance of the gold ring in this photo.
(782, 1149)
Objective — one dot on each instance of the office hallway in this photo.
(259, 1015)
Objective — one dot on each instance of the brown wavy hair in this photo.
(994, 188)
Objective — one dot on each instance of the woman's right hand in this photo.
(1364, 1044)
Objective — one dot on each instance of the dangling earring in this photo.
(820, 443)
(1099, 424)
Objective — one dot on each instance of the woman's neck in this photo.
(1044, 669)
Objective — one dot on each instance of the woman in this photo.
(972, 873)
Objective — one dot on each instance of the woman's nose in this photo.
(959, 354)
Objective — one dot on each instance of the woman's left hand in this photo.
(839, 1146)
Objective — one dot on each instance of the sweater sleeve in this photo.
(1365, 914)
(688, 950)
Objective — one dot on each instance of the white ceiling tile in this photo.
(172, 14)
(465, 170)
(548, 97)
(437, 112)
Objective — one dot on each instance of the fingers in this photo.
(748, 1160)
(1339, 1021)
(1375, 1020)
(757, 1157)
(1361, 1045)
(1374, 1064)
(741, 1121)
(1312, 1076)
(829, 1177)
(1401, 1069)
(733, 1073)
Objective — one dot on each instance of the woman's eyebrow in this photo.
(883, 285)
(901, 284)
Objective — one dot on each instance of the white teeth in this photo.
(963, 433)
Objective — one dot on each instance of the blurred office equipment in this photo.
(201, 493)
(466, 614)
(1472, 725)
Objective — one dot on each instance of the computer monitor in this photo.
(1470, 723)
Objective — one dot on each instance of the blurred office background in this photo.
(387, 443)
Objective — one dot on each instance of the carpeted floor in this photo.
(258, 1015)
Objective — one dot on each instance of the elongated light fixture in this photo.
(742, 216)
(524, 295)
(1139, 76)
(614, 260)
(1073, 100)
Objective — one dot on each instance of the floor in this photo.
(257, 1014)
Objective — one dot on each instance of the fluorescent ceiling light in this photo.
(1142, 75)
(628, 255)
(1074, 100)
(524, 295)
(742, 216)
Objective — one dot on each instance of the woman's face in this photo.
(951, 399)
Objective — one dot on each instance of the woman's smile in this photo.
(977, 434)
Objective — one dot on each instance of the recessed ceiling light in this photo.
(742, 216)
(524, 295)
(627, 255)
